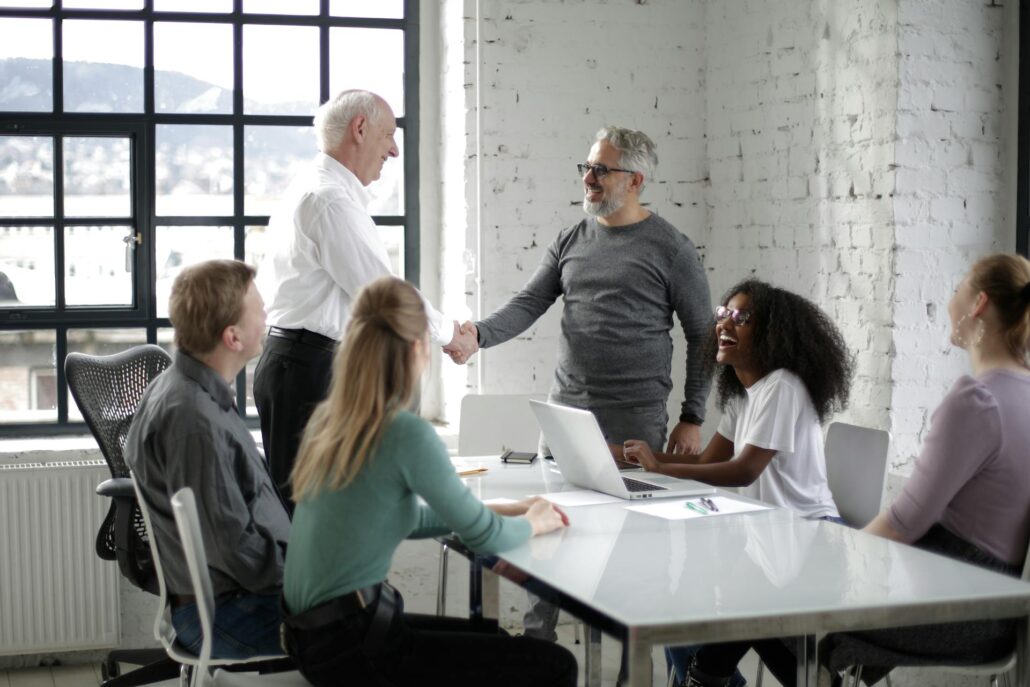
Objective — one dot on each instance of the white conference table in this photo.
(649, 581)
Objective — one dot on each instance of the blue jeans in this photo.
(679, 659)
(245, 625)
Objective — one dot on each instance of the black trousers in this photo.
(428, 650)
(291, 378)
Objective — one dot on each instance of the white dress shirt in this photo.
(322, 248)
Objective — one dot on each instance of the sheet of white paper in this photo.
(469, 466)
(584, 497)
(677, 509)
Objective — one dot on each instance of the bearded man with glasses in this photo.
(622, 272)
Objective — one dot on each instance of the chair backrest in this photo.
(491, 423)
(184, 507)
(108, 389)
(163, 630)
(856, 465)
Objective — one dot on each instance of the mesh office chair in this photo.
(107, 390)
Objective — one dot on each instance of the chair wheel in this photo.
(109, 669)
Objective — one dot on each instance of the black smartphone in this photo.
(524, 458)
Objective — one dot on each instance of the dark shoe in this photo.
(698, 678)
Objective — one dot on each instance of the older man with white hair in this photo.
(324, 247)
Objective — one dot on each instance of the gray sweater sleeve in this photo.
(692, 301)
(525, 307)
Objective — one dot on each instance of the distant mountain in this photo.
(26, 85)
(194, 156)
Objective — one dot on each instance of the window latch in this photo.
(131, 240)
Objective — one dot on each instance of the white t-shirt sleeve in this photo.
(776, 410)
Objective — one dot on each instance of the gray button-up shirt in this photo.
(187, 433)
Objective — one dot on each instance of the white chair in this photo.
(856, 466)
(184, 509)
(490, 424)
(164, 632)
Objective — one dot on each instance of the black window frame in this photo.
(141, 128)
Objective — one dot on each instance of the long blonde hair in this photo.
(374, 376)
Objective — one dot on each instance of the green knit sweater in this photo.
(345, 539)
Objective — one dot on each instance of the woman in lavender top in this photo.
(969, 496)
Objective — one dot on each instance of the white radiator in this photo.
(55, 593)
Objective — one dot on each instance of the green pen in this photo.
(696, 508)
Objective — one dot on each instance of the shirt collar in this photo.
(209, 380)
(346, 177)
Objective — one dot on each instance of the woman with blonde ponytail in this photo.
(969, 495)
(364, 464)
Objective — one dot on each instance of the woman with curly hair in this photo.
(785, 368)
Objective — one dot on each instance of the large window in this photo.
(140, 136)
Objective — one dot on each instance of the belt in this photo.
(334, 609)
(304, 336)
(185, 599)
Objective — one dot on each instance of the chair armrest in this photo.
(117, 488)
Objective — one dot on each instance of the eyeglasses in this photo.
(739, 317)
(600, 171)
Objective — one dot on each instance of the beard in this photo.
(611, 203)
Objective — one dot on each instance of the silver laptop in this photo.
(582, 454)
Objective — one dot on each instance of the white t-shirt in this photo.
(777, 413)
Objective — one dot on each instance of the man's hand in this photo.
(464, 343)
(685, 438)
(636, 451)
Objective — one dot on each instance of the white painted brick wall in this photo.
(552, 74)
(851, 153)
(950, 202)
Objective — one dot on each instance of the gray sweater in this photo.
(620, 286)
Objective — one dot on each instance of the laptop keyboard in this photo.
(637, 485)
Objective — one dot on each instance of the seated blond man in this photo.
(188, 433)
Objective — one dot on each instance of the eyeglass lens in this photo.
(600, 171)
(739, 317)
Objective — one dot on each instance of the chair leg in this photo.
(158, 671)
(760, 674)
(575, 632)
(858, 676)
(887, 677)
(994, 681)
(441, 585)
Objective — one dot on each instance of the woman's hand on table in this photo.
(545, 517)
(636, 451)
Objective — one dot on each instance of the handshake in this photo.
(464, 344)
